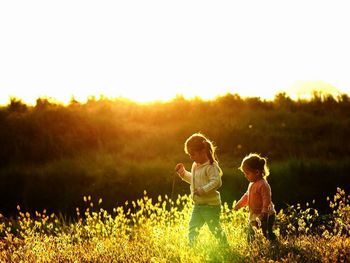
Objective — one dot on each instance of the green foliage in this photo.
(317, 128)
(52, 154)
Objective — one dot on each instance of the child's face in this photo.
(252, 175)
(198, 156)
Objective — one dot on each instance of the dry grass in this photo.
(149, 230)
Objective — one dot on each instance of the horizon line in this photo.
(93, 97)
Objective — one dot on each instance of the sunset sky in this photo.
(155, 50)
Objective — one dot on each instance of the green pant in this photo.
(266, 227)
(209, 214)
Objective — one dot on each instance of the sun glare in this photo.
(307, 88)
(145, 53)
(266, 90)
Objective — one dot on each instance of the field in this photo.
(156, 231)
(93, 182)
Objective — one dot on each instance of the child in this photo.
(258, 196)
(204, 180)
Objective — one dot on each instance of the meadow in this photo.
(101, 175)
(149, 230)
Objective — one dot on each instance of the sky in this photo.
(155, 50)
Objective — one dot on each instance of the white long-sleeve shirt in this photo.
(207, 176)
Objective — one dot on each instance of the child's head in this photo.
(200, 149)
(254, 167)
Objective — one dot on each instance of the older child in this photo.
(258, 196)
(204, 180)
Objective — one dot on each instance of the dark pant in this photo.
(209, 214)
(266, 227)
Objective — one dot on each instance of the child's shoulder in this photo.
(212, 167)
(261, 182)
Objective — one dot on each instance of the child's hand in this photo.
(180, 169)
(199, 191)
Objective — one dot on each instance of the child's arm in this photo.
(266, 199)
(183, 173)
(214, 179)
(242, 202)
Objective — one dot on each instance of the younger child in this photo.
(258, 196)
(204, 180)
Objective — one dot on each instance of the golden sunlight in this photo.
(147, 54)
(307, 88)
(301, 89)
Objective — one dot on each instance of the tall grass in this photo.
(150, 230)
